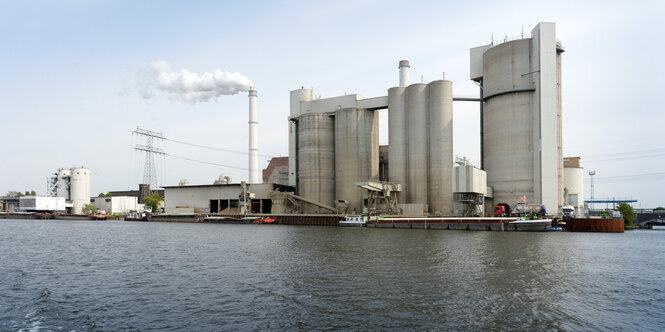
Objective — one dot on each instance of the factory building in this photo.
(117, 204)
(73, 184)
(333, 146)
(221, 198)
(521, 136)
(333, 142)
(277, 171)
(42, 204)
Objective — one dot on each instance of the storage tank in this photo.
(440, 194)
(417, 141)
(79, 188)
(573, 178)
(62, 183)
(356, 154)
(316, 160)
(397, 147)
(508, 121)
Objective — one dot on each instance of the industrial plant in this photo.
(336, 166)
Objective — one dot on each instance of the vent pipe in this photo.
(253, 137)
(404, 73)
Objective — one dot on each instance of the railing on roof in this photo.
(518, 37)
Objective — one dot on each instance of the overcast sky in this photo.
(70, 78)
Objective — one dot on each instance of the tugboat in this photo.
(139, 216)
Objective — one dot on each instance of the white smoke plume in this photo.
(188, 86)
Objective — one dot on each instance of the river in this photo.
(134, 276)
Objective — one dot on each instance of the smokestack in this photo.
(404, 73)
(253, 137)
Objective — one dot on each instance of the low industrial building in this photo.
(116, 204)
(42, 204)
(220, 198)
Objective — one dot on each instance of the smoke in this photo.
(188, 86)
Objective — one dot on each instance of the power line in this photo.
(205, 162)
(214, 148)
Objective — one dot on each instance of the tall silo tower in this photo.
(520, 80)
(79, 188)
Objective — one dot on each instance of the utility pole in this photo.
(149, 174)
(592, 173)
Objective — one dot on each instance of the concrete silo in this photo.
(440, 163)
(316, 160)
(397, 149)
(79, 188)
(521, 117)
(417, 140)
(356, 153)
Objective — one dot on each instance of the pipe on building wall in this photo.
(253, 137)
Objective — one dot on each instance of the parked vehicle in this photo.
(520, 210)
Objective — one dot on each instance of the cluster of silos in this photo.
(74, 185)
(334, 151)
(420, 120)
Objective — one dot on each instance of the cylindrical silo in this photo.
(417, 138)
(573, 179)
(79, 188)
(62, 183)
(508, 121)
(356, 154)
(397, 144)
(316, 160)
(297, 98)
(440, 195)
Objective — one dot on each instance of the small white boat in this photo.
(353, 221)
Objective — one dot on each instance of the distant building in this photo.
(277, 171)
(117, 204)
(42, 204)
(9, 204)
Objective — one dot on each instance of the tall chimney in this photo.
(253, 137)
(404, 73)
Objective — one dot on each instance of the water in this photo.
(114, 275)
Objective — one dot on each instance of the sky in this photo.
(71, 74)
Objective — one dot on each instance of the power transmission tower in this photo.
(149, 174)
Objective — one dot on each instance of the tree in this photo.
(33, 193)
(627, 213)
(153, 200)
(108, 194)
(89, 209)
(660, 208)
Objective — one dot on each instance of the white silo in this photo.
(79, 188)
(62, 183)
(573, 183)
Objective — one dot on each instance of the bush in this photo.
(89, 209)
(627, 213)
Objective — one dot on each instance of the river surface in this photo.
(134, 276)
